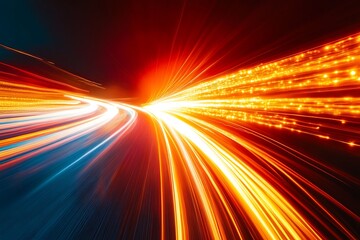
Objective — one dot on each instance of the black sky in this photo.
(116, 42)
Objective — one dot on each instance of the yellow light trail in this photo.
(295, 93)
(315, 92)
(225, 170)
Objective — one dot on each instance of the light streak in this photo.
(48, 118)
(206, 162)
(311, 92)
(315, 92)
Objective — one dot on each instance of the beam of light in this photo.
(50, 135)
(213, 163)
(37, 119)
(311, 92)
(315, 92)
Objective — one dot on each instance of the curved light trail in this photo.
(242, 156)
(206, 127)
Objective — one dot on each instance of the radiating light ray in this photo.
(313, 93)
(277, 94)
(206, 162)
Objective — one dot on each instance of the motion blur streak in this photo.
(308, 93)
(45, 131)
(315, 93)
(47, 138)
(221, 159)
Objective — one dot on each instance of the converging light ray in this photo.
(312, 93)
(263, 153)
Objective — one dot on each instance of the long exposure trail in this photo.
(267, 152)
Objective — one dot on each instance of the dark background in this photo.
(120, 43)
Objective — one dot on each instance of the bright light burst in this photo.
(315, 92)
(223, 169)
